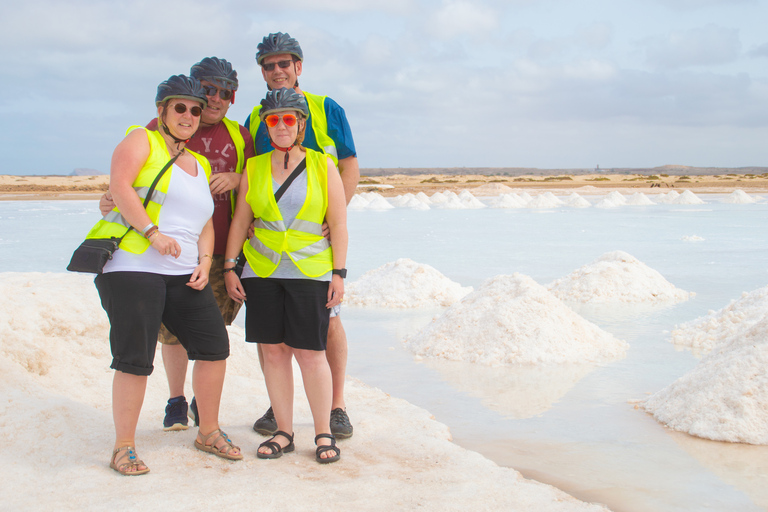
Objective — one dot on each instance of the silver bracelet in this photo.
(147, 228)
(230, 260)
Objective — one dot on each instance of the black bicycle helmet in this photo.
(283, 100)
(278, 43)
(217, 71)
(180, 86)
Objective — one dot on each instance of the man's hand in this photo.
(224, 182)
(106, 204)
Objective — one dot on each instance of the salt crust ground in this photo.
(512, 320)
(725, 397)
(404, 284)
(56, 432)
(616, 277)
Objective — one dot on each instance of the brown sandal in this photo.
(224, 451)
(131, 467)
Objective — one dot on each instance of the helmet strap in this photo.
(175, 138)
(287, 150)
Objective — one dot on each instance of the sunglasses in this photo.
(211, 90)
(271, 66)
(180, 108)
(273, 119)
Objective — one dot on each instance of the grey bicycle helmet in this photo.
(180, 86)
(282, 100)
(217, 71)
(278, 43)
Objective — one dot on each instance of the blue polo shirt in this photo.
(338, 130)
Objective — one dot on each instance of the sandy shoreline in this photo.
(91, 187)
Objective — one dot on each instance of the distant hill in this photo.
(86, 172)
(672, 170)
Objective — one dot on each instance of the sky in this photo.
(549, 84)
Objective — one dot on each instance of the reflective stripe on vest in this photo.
(319, 122)
(114, 224)
(303, 240)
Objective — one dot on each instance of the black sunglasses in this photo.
(271, 66)
(180, 108)
(211, 90)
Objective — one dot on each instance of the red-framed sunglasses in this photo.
(273, 119)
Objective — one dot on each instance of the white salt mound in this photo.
(576, 201)
(616, 277)
(739, 197)
(687, 197)
(401, 200)
(492, 189)
(607, 203)
(451, 203)
(667, 198)
(718, 327)
(546, 200)
(725, 398)
(616, 198)
(404, 284)
(639, 199)
(514, 320)
(508, 201)
(358, 202)
(379, 203)
(424, 198)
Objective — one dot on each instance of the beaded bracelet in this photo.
(154, 232)
(151, 231)
(228, 270)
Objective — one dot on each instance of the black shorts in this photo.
(138, 302)
(290, 311)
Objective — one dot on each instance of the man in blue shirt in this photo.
(281, 58)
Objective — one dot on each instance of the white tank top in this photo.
(186, 210)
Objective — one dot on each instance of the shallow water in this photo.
(578, 427)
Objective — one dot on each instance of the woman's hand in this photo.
(235, 288)
(200, 276)
(335, 291)
(165, 245)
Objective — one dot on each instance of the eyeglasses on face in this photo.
(273, 119)
(211, 90)
(180, 108)
(271, 66)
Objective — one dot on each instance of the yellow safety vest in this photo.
(303, 240)
(114, 224)
(319, 122)
(233, 128)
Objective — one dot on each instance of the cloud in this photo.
(710, 45)
(688, 5)
(457, 17)
(759, 51)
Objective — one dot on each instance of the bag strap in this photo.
(287, 183)
(152, 188)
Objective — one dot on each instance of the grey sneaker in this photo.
(340, 425)
(266, 425)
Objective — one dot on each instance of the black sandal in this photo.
(322, 449)
(274, 446)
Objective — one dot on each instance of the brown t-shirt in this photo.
(215, 144)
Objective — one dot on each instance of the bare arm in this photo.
(200, 276)
(336, 217)
(238, 230)
(350, 176)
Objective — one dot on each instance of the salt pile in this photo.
(639, 199)
(438, 197)
(358, 202)
(513, 320)
(616, 198)
(546, 200)
(470, 201)
(451, 201)
(404, 284)
(607, 203)
(379, 202)
(725, 398)
(492, 189)
(739, 197)
(576, 201)
(424, 198)
(508, 201)
(687, 197)
(409, 201)
(718, 327)
(616, 277)
(667, 198)
(401, 200)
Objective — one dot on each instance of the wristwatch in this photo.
(340, 272)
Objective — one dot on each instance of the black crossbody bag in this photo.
(240, 263)
(94, 253)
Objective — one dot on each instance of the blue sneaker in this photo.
(176, 414)
(193, 412)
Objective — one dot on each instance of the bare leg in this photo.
(127, 398)
(175, 362)
(316, 375)
(278, 374)
(337, 360)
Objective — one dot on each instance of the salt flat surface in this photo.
(616, 276)
(404, 284)
(56, 433)
(514, 320)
